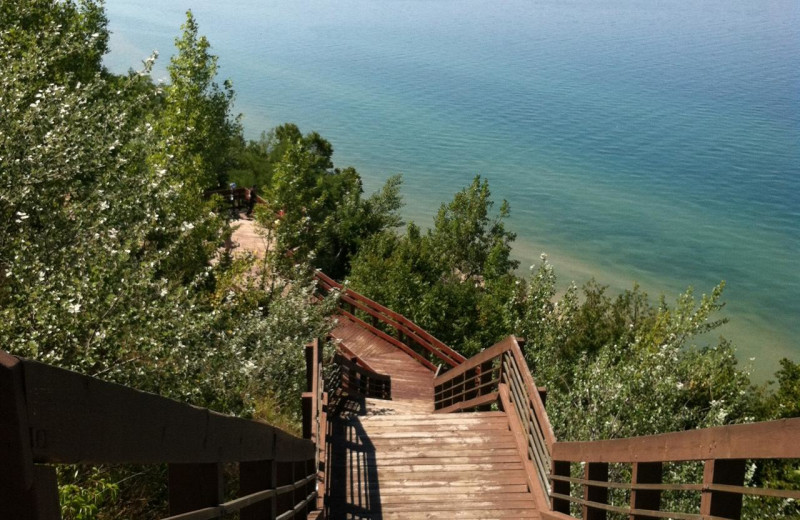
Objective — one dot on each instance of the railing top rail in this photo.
(419, 335)
(75, 418)
(763, 440)
(510, 346)
(476, 360)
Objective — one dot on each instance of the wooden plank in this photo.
(560, 488)
(397, 343)
(256, 476)
(378, 311)
(39, 501)
(535, 485)
(533, 393)
(79, 419)
(592, 495)
(765, 440)
(722, 503)
(646, 473)
(472, 403)
(16, 457)
(475, 361)
(524, 408)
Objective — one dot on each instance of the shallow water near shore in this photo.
(656, 142)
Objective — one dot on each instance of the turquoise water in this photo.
(636, 140)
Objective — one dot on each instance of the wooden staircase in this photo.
(430, 466)
(399, 459)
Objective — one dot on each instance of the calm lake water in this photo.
(636, 140)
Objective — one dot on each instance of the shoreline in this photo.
(746, 331)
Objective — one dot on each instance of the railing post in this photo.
(194, 486)
(27, 491)
(595, 471)
(255, 476)
(486, 377)
(285, 477)
(561, 469)
(310, 350)
(650, 499)
(720, 503)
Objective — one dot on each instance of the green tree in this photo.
(318, 211)
(196, 127)
(455, 280)
(471, 241)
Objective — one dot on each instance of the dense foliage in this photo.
(455, 279)
(317, 212)
(110, 259)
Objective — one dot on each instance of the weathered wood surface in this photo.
(426, 466)
(421, 339)
(51, 415)
(397, 459)
(79, 419)
(775, 439)
(412, 384)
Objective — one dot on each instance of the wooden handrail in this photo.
(776, 440)
(49, 415)
(359, 381)
(315, 419)
(722, 449)
(398, 322)
(500, 374)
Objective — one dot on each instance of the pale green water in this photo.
(649, 141)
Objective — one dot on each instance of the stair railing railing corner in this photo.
(408, 336)
(499, 376)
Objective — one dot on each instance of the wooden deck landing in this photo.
(412, 383)
(398, 460)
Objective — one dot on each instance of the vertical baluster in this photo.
(646, 473)
(487, 374)
(255, 476)
(720, 503)
(27, 491)
(561, 469)
(595, 471)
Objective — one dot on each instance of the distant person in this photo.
(251, 201)
(234, 212)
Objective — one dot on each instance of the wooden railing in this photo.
(315, 417)
(723, 452)
(410, 338)
(500, 375)
(51, 416)
(356, 377)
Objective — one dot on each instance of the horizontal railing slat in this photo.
(394, 341)
(472, 403)
(641, 512)
(775, 440)
(79, 419)
(395, 320)
(474, 362)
